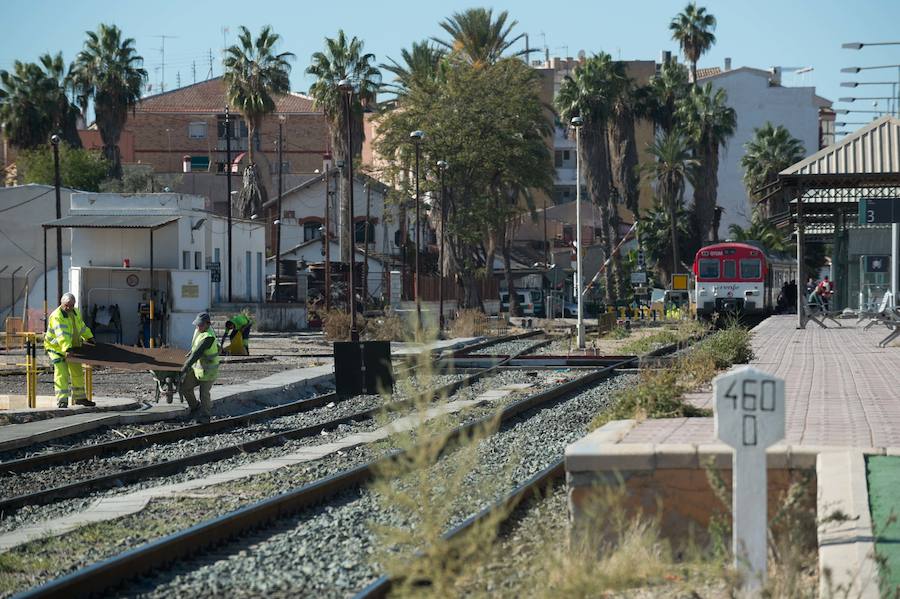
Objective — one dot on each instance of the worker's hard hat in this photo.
(203, 317)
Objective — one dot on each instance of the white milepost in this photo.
(749, 416)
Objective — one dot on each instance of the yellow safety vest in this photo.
(206, 368)
(64, 331)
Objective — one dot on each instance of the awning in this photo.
(112, 221)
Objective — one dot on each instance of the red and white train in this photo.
(739, 278)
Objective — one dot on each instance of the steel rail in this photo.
(112, 572)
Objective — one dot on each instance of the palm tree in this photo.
(591, 92)
(708, 122)
(65, 114)
(109, 72)
(253, 73)
(658, 100)
(764, 232)
(477, 38)
(693, 30)
(34, 104)
(420, 67)
(672, 164)
(344, 59)
(771, 150)
(655, 231)
(623, 146)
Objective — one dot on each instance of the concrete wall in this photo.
(757, 102)
(270, 317)
(23, 208)
(247, 236)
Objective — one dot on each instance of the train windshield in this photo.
(750, 269)
(729, 270)
(708, 269)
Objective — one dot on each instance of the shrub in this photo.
(469, 323)
(336, 325)
(78, 168)
(386, 327)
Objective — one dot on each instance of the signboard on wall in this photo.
(878, 264)
(879, 211)
(215, 271)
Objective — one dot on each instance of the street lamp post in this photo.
(346, 87)
(577, 123)
(230, 199)
(276, 295)
(442, 166)
(416, 137)
(54, 140)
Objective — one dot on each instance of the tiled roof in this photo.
(208, 97)
(708, 72)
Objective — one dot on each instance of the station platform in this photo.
(842, 406)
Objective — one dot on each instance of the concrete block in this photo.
(677, 455)
(720, 454)
(778, 456)
(618, 457)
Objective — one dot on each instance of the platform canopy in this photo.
(826, 187)
(112, 221)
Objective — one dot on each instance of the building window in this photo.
(199, 164)
(197, 130)
(238, 127)
(290, 214)
(312, 230)
(185, 260)
(558, 159)
(360, 232)
(567, 156)
(198, 260)
(568, 233)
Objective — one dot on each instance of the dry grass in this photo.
(386, 327)
(336, 325)
(469, 323)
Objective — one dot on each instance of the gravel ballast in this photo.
(327, 551)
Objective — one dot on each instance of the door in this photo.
(248, 287)
(259, 276)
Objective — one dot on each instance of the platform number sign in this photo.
(749, 416)
(879, 211)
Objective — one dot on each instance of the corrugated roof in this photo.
(874, 148)
(113, 221)
(208, 97)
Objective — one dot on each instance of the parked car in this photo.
(531, 302)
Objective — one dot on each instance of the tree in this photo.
(253, 73)
(420, 68)
(78, 168)
(655, 230)
(488, 122)
(672, 163)
(108, 72)
(708, 122)
(659, 99)
(693, 30)
(34, 103)
(344, 59)
(591, 92)
(765, 233)
(477, 38)
(771, 150)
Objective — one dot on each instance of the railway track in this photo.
(103, 576)
(117, 477)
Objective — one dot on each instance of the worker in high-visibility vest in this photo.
(237, 331)
(201, 367)
(66, 330)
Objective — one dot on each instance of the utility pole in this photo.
(194, 70)
(347, 87)
(280, 143)
(366, 233)
(54, 140)
(228, 179)
(442, 166)
(327, 242)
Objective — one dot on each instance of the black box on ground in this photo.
(363, 367)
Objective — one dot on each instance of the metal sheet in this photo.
(113, 221)
(125, 357)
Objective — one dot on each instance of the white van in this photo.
(531, 302)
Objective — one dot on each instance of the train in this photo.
(740, 278)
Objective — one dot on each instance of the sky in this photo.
(762, 33)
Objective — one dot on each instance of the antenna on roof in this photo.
(194, 70)
(162, 51)
(209, 76)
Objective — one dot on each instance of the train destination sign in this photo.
(879, 211)
(749, 416)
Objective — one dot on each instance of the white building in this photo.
(22, 210)
(112, 236)
(758, 97)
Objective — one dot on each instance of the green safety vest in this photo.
(64, 331)
(207, 367)
(240, 321)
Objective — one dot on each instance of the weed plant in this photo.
(469, 323)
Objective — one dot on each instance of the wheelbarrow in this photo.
(168, 382)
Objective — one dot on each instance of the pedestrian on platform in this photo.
(201, 367)
(66, 330)
(237, 331)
